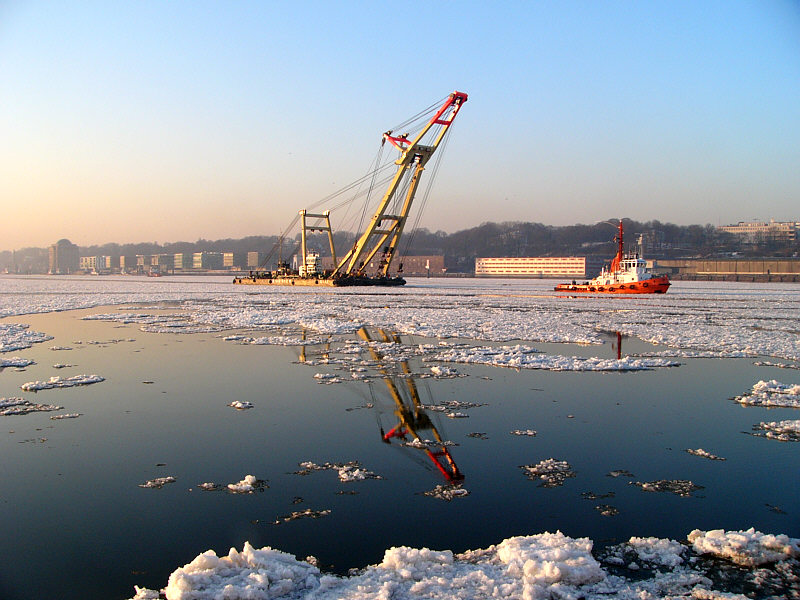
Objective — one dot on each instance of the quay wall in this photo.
(732, 269)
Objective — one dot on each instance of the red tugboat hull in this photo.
(655, 285)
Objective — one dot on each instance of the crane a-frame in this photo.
(381, 238)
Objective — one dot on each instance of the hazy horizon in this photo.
(126, 123)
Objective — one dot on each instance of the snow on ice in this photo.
(348, 472)
(783, 431)
(525, 357)
(703, 454)
(543, 566)
(61, 382)
(15, 337)
(18, 406)
(748, 548)
(16, 362)
(551, 472)
(157, 483)
(771, 394)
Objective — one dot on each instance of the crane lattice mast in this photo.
(384, 230)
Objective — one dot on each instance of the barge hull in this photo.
(320, 281)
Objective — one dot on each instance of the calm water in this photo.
(76, 524)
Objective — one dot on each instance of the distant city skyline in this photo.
(129, 123)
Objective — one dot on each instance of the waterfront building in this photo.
(254, 260)
(207, 260)
(182, 260)
(539, 266)
(63, 258)
(755, 232)
(127, 264)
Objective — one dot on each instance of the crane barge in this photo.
(380, 239)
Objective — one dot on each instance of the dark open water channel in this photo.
(76, 524)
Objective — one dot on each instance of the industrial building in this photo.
(542, 267)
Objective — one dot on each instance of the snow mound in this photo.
(748, 548)
(664, 552)
(251, 573)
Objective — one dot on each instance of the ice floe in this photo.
(524, 432)
(308, 513)
(783, 431)
(66, 416)
(771, 393)
(158, 482)
(16, 362)
(249, 485)
(703, 454)
(241, 404)
(748, 548)
(525, 357)
(549, 472)
(545, 566)
(15, 337)
(680, 487)
(447, 492)
(61, 382)
(18, 406)
(348, 472)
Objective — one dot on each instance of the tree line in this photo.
(516, 239)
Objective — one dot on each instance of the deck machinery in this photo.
(381, 238)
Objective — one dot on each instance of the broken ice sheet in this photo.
(249, 485)
(770, 394)
(620, 473)
(18, 406)
(550, 472)
(158, 482)
(16, 362)
(302, 514)
(607, 510)
(703, 454)
(524, 432)
(680, 487)
(66, 416)
(61, 382)
(241, 404)
(748, 548)
(525, 357)
(348, 472)
(783, 431)
(15, 337)
(447, 492)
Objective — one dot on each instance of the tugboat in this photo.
(628, 274)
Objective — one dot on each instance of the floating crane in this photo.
(381, 238)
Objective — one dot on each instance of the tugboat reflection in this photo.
(414, 427)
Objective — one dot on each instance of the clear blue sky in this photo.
(167, 121)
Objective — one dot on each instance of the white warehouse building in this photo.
(538, 266)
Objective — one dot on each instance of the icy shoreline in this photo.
(546, 565)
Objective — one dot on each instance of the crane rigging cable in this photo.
(368, 261)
